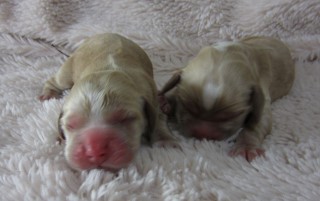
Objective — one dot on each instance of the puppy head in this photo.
(212, 113)
(212, 102)
(103, 122)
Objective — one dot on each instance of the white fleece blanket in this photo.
(35, 34)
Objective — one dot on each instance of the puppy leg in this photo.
(248, 143)
(163, 136)
(62, 80)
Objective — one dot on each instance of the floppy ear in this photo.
(167, 104)
(172, 82)
(257, 105)
(151, 117)
(61, 136)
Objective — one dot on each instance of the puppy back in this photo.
(109, 52)
(276, 56)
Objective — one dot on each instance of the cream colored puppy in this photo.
(228, 87)
(112, 104)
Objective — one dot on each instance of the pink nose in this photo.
(101, 148)
(96, 147)
(205, 130)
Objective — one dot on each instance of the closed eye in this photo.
(70, 127)
(225, 116)
(121, 121)
(75, 121)
(120, 117)
(226, 113)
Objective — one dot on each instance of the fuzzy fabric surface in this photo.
(35, 35)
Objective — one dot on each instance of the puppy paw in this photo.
(249, 153)
(167, 144)
(49, 95)
(164, 104)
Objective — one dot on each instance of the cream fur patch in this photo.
(221, 46)
(112, 61)
(210, 94)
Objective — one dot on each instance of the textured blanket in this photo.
(36, 36)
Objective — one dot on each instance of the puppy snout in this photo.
(102, 148)
(96, 147)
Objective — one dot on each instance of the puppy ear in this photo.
(151, 117)
(61, 136)
(172, 82)
(167, 104)
(257, 104)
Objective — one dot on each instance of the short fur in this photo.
(108, 73)
(231, 86)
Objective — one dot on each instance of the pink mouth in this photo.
(205, 130)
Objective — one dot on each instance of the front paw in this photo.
(167, 144)
(49, 94)
(246, 151)
(164, 104)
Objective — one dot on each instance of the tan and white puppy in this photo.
(112, 104)
(229, 87)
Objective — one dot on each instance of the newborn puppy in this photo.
(230, 86)
(111, 106)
